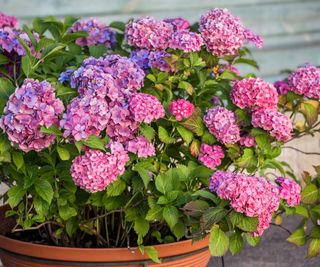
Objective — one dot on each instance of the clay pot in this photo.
(14, 253)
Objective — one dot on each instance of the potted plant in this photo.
(141, 143)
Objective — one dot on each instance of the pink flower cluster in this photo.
(250, 195)
(85, 116)
(282, 87)
(210, 156)
(31, 106)
(181, 109)
(224, 33)
(94, 170)
(142, 147)
(186, 41)
(290, 191)
(247, 140)
(145, 108)
(98, 33)
(278, 124)
(222, 124)
(8, 21)
(178, 23)
(305, 81)
(149, 33)
(254, 92)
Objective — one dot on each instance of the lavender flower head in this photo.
(178, 23)
(186, 41)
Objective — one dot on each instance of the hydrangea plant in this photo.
(145, 133)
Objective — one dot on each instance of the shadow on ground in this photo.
(274, 251)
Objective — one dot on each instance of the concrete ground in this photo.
(274, 251)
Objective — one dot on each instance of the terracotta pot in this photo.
(14, 253)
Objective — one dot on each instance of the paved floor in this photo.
(273, 251)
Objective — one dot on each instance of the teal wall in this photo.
(290, 28)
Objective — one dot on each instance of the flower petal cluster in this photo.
(181, 109)
(186, 41)
(149, 33)
(305, 81)
(94, 170)
(247, 141)
(98, 33)
(276, 123)
(31, 106)
(290, 191)
(141, 57)
(85, 116)
(8, 21)
(210, 156)
(222, 124)
(157, 60)
(141, 146)
(178, 23)
(254, 92)
(282, 87)
(224, 33)
(145, 108)
(250, 195)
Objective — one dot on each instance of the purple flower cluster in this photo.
(224, 33)
(145, 108)
(222, 124)
(278, 124)
(186, 41)
(157, 60)
(8, 21)
(210, 156)
(290, 191)
(282, 87)
(98, 33)
(250, 195)
(178, 23)
(149, 33)
(31, 106)
(141, 146)
(181, 109)
(141, 58)
(305, 81)
(94, 170)
(254, 92)
(85, 116)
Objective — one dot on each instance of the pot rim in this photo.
(97, 254)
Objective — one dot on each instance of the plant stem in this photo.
(222, 261)
(36, 227)
(280, 226)
(303, 152)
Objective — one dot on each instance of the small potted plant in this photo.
(141, 143)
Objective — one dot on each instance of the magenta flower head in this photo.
(210, 156)
(98, 33)
(142, 147)
(157, 61)
(178, 23)
(186, 41)
(282, 87)
(224, 34)
(306, 81)
(276, 123)
(254, 92)
(94, 171)
(85, 116)
(222, 124)
(31, 106)
(8, 21)
(247, 141)
(181, 109)
(145, 108)
(250, 195)
(148, 33)
(290, 191)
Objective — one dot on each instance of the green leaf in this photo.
(253, 240)
(151, 77)
(228, 75)
(144, 174)
(309, 108)
(155, 213)
(219, 242)
(298, 237)
(208, 138)
(179, 230)
(51, 130)
(166, 182)
(15, 194)
(186, 135)
(212, 216)
(94, 142)
(152, 254)
(63, 153)
(18, 160)
(97, 50)
(236, 243)
(248, 160)
(247, 61)
(3, 59)
(248, 224)
(171, 216)
(119, 25)
(116, 188)
(195, 208)
(194, 123)
(141, 226)
(72, 226)
(309, 194)
(314, 247)
(66, 212)
(164, 136)
(263, 143)
(147, 131)
(41, 206)
(44, 190)
(302, 211)
(26, 66)
(78, 145)
(186, 86)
